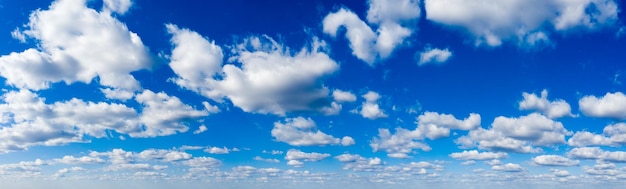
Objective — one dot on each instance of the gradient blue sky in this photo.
(312, 94)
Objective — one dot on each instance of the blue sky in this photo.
(310, 94)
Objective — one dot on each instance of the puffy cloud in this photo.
(297, 155)
(216, 150)
(390, 17)
(597, 153)
(259, 158)
(119, 6)
(552, 109)
(349, 158)
(163, 155)
(302, 131)
(430, 125)
(611, 105)
(79, 160)
(202, 162)
(509, 167)
(270, 78)
(475, 155)
(554, 160)
(491, 22)
(613, 135)
(201, 129)
(370, 108)
(343, 96)
(77, 44)
(517, 134)
(434, 56)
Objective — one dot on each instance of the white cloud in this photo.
(163, 155)
(613, 135)
(298, 155)
(554, 160)
(259, 158)
(434, 56)
(509, 167)
(273, 152)
(79, 160)
(430, 125)
(202, 162)
(301, 131)
(611, 105)
(475, 155)
(553, 109)
(201, 129)
(492, 22)
(370, 108)
(343, 96)
(392, 19)
(77, 44)
(216, 150)
(265, 76)
(349, 158)
(118, 6)
(597, 153)
(347, 141)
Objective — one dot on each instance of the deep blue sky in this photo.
(291, 94)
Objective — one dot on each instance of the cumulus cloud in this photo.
(76, 44)
(302, 131)
(553, 109)
(475, 155)
(434, 56)
(118, 6)
(525, 23)
(370, 108)
(392, 19)
(163, 155)
(554, 160)
(265, 77)
(613, 135)
(611, 105)
(259, 158)
(430, 125)
(298, 155)
(597, 154)
(517, 134)
(509, 167)
(216, 150)
(79, 160)
(201, 129)
(343, 96)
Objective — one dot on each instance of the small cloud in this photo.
(434, 56)
(201, 129)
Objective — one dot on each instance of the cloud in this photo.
(597, 154)
(302, 131)
(118, 6)
(555, 109)
(216, 150)
(554, 160)
(347, 141)
(370, 108)
(475, 155)
(76, 44)
(202, 162)
(297, 155)
(430, 125)
(79, 160)
(259, 158)
(509, 167)
(525, 23)
(434, 56)
(264, 77)
(611, 105)
(343, 96)
(391, 18)
(201, 129)
(349, 158)
(613, 135)
(163, 155)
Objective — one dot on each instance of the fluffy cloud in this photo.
(597, 153)
(270, 78)
(611, 105)
(163, 155)
(259, 158)
(298, 155)
(430, 125)
(77, 44)
(119, 6)
(475, 155)
(554, 160)
(343, 96)
(555, 109)
(509, 167)
(202, 162)
(370, 108)
(613, 135)
(390, 17)
(349, 158)
(517, 134)
(491, 22)
(301, 131)
(79, 160)
(434, 56)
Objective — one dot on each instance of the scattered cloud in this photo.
(434, 56)
(552, 109)
(554, 160)
(370, 108)
(475, 155)
(597, 154)
(611, 105)
(509, 167)
(302, 131)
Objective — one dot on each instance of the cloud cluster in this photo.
(552, 109)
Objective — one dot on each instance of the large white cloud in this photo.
(370, 108)
(597, 153)
(517, 134)
(295, 157)
(611, 105)
(509, 167)
(430, 125)
(119, 6)
(613, 135)
(392, 18)
(302, 131)
(522, 22)
(553, 109)
(76, 44)
(475, 155)
(265, 76)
